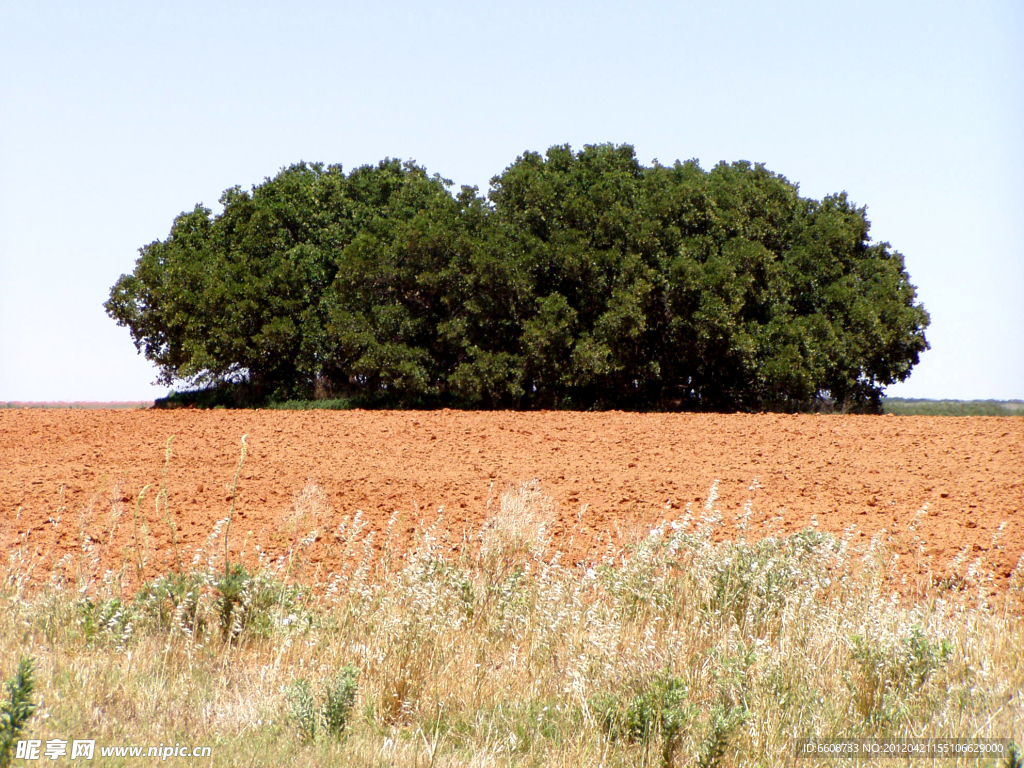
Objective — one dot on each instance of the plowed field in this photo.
(66, 474)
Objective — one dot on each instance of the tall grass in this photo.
(677, 650)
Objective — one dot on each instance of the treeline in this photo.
(583, 280)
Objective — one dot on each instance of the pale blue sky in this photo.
(114, 117)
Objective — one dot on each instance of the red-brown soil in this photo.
(76, 467)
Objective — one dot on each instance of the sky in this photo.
(115, 117)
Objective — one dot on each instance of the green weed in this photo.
(16, 709)
(331, 711)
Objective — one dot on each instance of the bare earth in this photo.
(629, 471)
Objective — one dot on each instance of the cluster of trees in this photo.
(583, 279)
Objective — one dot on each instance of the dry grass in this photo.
(675, 651)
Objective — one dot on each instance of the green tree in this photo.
(391, 302)
(577, 227)
(773, 300)
(313, 281)
(583, 279)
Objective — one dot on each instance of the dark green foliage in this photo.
(233, 394)
(583, 280)
(16, 709)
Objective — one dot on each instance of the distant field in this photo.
(896, 405)
(910, 407)
(76, 404)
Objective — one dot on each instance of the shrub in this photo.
(726, 718)
(109, 618)
(174, 601)
(247, 601)
(302, 708)
(338, 699)
(331, 712)
(888, 671)
(657, 711)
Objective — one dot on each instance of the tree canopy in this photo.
(582, 279)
